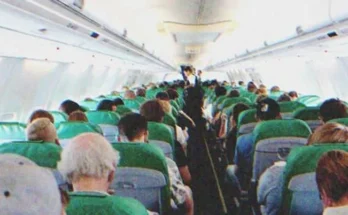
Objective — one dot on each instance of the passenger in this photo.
(251, 87)
(89, 163)
(231, 138)
(173, 94)
(261, 92)
(275, 89)
(26, 188)
(293, 95)
(42, 129)
(78, 116)
(234, 94)
(241, 83)
(118, 102)
(106, 105)
(332, 109)
(262, 86)
(41, 114)
(162, 96)
(129, 94)
(153, 112)
(220, 91)
(133, 128)
(332, 181)
(69, 106)
(141, 92)
(284, 98)
(270, 183)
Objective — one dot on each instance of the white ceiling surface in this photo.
(255, 22)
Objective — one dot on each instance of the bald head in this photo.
(41, 129)
(88, 155)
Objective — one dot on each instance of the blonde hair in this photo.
(329, 133)
(90, 155)
(166, 106)
(41, 129)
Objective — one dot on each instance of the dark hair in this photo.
(193, 97)
(173, 94)
(162, 96)
(105, 104)
(78, 116)
(284, 98)
(275, 89)
(238, 108)
(234, 93)
(267, 109)
(189, 69)
(152, 111)
(220, 91)
(332, 109)
(118, 102)
(332, 175)
(251, 86)
(131, 125)
(69, 106)
(141, 92)
(241, 83)
(41, 114)
(293, 94)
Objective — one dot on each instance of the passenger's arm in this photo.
(185, 174)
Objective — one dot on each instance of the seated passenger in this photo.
(220, 91)
(251, 87)
(162, 96)
(118, 102)
(293, 95)
(270, 183)
(332, 109)
(173, 94)
(275, 89)
(234, 94)
(27, 189)
(78, 116)
(129, 94)
(106, 105)
(41, 114)
(153, 112)
(332, 181)
(141, 92)
(69, 106)
(261, 92)
(241, 83)
(42, 129)
(89, 163)
(284, 98)
(133, 128)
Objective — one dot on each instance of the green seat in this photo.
(161, 131)
(343, 121)
(246, 121)
(140, 99)
(92, 203)
(231, 101)
(220, 100)
(274, 139)
(144, 155)
(59, 117)
(175, 104)
(89, 104)
(103, 117)
(287, 108)
(302, 161)
(309, 100)
(275, 95)
(12, 131)
(42, 153)
(132, 104)
(169, 120)
(123, 110)
(310, 115)
(151, 93)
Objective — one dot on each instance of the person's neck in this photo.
(91, 184)
(138, 140)
(342, 202)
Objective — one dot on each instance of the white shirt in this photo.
(343, 210)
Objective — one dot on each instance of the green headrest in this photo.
(230, 101)
(309, 113)
(68, 130)
(59, 116)
(309, 100)
(140, 99)
(89, 105)
(145, 156)
(228, 110)
(246, 117)
(281, 128)
(12, 131)
(151, 93)
(123, 110)
(286, 107)
(303, 160)
(169, 120)
(103, 117)
(175, 104)
(160, 131)
(343, 121)
(220, 100)
(92, 203)
(42, 153)
(132, 104)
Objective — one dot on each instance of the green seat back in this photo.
(11, 131)
(92, 203)
(281, 128)
(132, 104)
(286, 107)
(275, 95)
(309, 100)
(140, 99)
(151, 93)
(231, 101)
(246, 121)
(89, 105)
(303, 160)
(306, 114)
(175, 112)
(145, 156)
(220, 100)
(103, 117)
(42, 153)
(59, 117)
(123, 110)
(67, 130)
(160, 131)
(175, 104)
(169, 120)
(343, 121)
